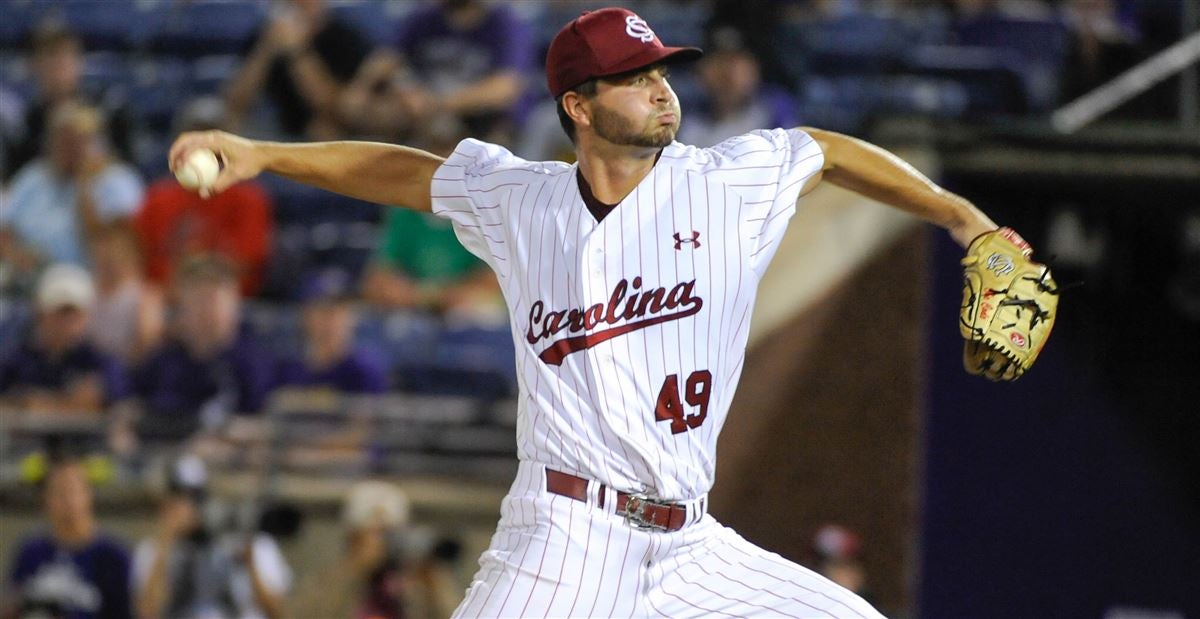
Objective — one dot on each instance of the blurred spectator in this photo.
(303, 60)
(735, 99)
(128, 319)
(464, 58)
(209, 368)
(57, 67)
(839, 552)
(421, 264)
(56, 201)
(372, 579)
(56, 369)
(175, 223)
(331, 360)
(74, 570)
(1105, 44)
(187, 570)
(542, 137)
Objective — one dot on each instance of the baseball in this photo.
(199, 170)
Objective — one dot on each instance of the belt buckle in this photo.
(635, 512)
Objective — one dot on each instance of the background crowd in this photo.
(163, 318)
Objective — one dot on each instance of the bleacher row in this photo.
(423, 355)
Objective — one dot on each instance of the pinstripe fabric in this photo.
(630, 334)
(556, 557)
(686, 249)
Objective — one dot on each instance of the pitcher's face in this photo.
(636, 109)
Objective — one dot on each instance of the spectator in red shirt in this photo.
(175, 223)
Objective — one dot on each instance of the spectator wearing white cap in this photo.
(369, 580)
(56, 369)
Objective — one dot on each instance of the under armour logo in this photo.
(637, 28)
(695, 240)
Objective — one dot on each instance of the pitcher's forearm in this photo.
(873, 172)
(371, 171)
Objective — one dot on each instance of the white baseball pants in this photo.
(553, 556)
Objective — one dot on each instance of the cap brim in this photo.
(652, 56)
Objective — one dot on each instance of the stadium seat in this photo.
(16, 317)
(277, 327)
(104, 71)
(119, 25)
(158, 88)
(209, 73)
(296, 203)
(202, 27)
(376, 20)
(1042, 46)
(16, 74)
(852, 44)
(675, 23)
(19, 18)
(989, 76)
(406, 338)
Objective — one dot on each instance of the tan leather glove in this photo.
(1008, 308)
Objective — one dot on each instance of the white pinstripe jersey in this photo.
(630, 331)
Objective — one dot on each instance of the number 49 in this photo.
(696, 392)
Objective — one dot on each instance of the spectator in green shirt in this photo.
(420, 264)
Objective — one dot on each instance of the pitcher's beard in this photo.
(620, 130)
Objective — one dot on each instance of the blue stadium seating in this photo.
(105, 71)
(15, 74)
(158, 88)
(209, 73)
(19, 17)
(989, 76)
(377, 20)
(202, 27)
(1041, 46)
(16, 318)
(856, 43)
(112, 25)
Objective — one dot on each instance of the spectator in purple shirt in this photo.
(465, 58)
(73, 571)
(331, 360)
(209, 368)
(56, 369)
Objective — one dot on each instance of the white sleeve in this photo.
(768, 169)
(272, 568)
(143, 561)
(472, 189)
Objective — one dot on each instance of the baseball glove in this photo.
(1008, 308)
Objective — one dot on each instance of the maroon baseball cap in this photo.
(606, 42)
